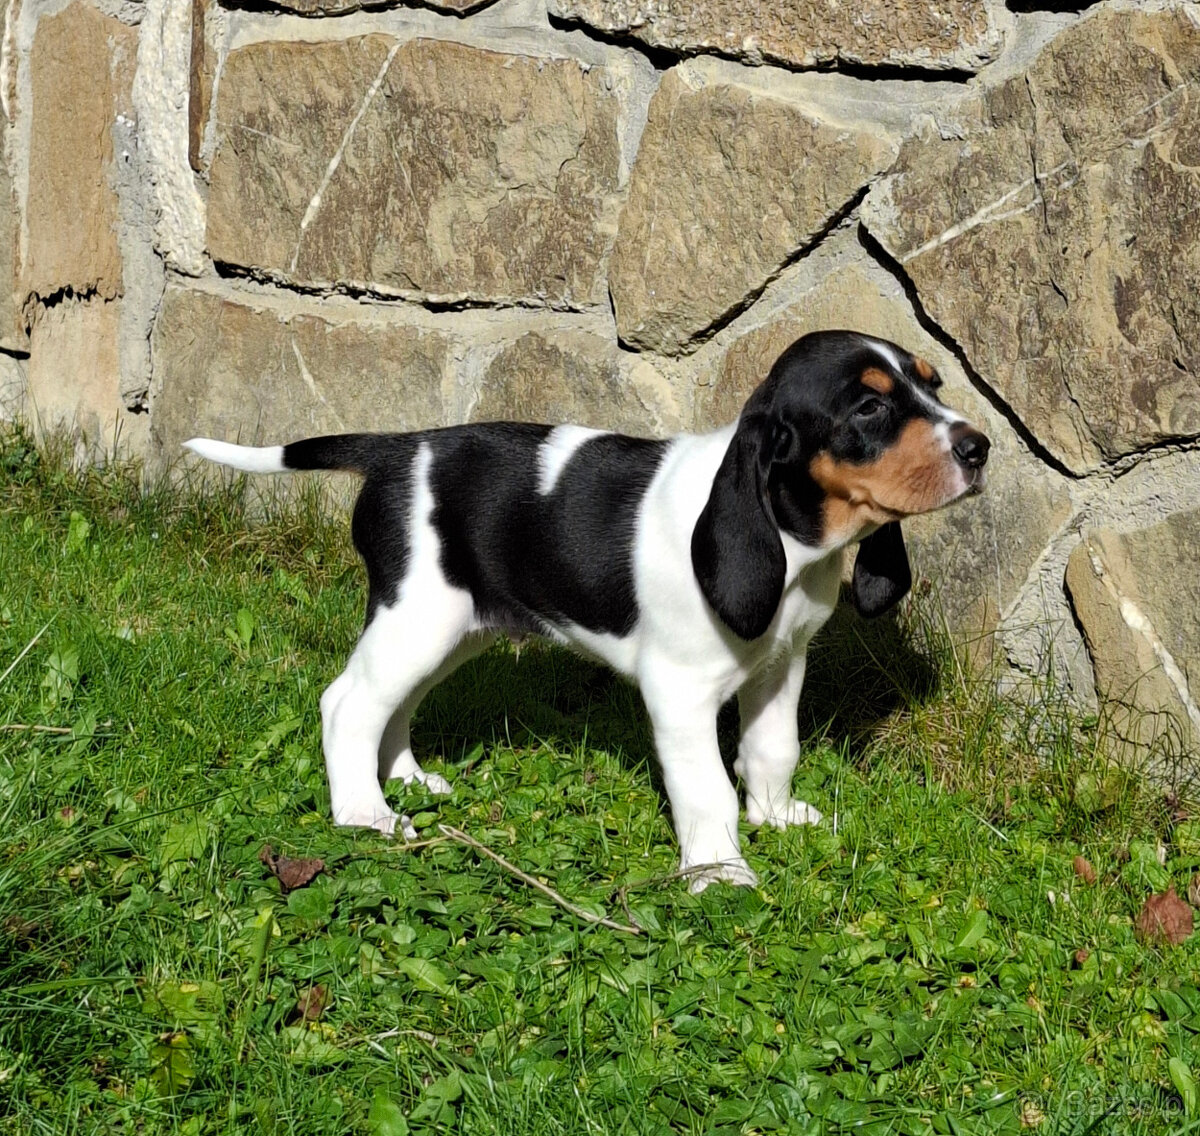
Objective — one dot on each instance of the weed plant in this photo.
(926, 961)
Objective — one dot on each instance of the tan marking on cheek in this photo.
(842, 522)
(914, 475)
(847, 508)
(877, 380)
(924, 369)
(901, 478)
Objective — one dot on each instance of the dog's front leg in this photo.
(704, 804)
(770, 744)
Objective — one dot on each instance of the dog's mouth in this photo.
(976, 483)
(942, 490)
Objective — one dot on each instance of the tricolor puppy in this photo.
(699, 566)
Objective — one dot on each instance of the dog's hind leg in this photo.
(400, 653)
(395, 751)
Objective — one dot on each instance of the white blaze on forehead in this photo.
(886, 351)
(940, 412)
(558, 449)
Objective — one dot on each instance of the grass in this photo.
(930, 965)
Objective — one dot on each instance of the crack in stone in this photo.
(314, 205)
(663, 57)
(695, 340)
(986, 214)
(1157, 103)
(64, 295)
(227, 126)
(1128, 463)
(371, 290)
(1033, 162)
(306, 375)
(895, 267)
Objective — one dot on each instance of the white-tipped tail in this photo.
(253, 459)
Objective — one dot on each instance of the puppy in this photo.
(700, 566)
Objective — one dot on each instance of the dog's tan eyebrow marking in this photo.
(924, 369)
(877, 380)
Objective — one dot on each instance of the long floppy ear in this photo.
(737, 554)
(882, 575)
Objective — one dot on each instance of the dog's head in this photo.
(844, 439)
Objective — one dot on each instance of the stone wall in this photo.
(270, 219)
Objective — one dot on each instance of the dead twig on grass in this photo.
(428, 1038)
(13, 727)
(462, 838)
(28, 647)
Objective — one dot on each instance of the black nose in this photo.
(970, 447)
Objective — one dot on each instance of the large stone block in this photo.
(14, 388)
(1058, 241)
(976, 554)
(574, 376)
(73, 373)
(243, 371)
(1137, 598)
(13, 334)
(960, 34)
(431, 169)
(729, 184)
(341, 7)
(81, 70)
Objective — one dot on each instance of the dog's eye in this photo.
(870, 408)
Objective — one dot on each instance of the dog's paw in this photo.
(736, 872)
(406, 828)
(782, 816)
(382, 820)
(434, 782)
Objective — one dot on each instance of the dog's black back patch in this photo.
(530, 559)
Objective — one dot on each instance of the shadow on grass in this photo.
(859, 673)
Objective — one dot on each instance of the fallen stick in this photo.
(13, 726)
(28, 647)
(462, 838)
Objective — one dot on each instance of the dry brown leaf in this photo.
(1175, 806)
(1194, 890)
(291, 874)
(1082, 955)
(20, 929)
(1164, 918)
(1084, 870)
(313, 1002)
